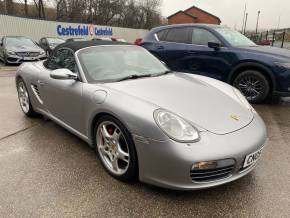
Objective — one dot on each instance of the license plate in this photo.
(252, 158)
(28, 58)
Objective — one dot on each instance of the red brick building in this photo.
(193, 15)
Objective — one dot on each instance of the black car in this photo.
(18, 49)
(223, 54)
(49, 43)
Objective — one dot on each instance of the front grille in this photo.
(27, 54)
(222, 169)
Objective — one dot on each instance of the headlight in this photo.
(176, 127)
(243, 100)
(11, 52)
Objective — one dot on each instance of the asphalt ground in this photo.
(47, 172)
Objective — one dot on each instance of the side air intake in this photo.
(36, 93)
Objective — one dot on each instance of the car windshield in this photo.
(235, 38)
(55, 40)
(19, 41)
(116, 63)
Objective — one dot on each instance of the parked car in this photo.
(49, 43)
(223, 54)
(75, 39)
(18, 49)
(174, 130)
(138, 41)
(264, 42)
(114, 39)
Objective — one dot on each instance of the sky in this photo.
(231, 11)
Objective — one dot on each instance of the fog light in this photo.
(203, 165)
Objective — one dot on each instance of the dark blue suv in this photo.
(223, 54)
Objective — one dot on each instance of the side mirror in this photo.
(63, 74)
(216, 46)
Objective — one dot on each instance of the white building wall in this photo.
(36, 29)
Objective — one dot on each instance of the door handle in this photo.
(160, 47)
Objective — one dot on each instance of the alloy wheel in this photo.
(251, 87)
(23, 97)
(113, 148)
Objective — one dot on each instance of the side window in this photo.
(162, 34)
(203, 37)
(62, 58)
(179, 35)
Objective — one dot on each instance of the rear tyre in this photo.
(115, 148)
(253, 85)
(24, 99)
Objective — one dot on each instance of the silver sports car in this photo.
(169, 129)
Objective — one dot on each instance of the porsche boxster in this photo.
(170, 129)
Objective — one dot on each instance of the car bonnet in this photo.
(190, 98)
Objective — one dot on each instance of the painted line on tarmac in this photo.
(19, 131)
(7, 74)
(5, 70)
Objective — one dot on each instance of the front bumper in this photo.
(282, 88)
(168, 163)
(15, 59)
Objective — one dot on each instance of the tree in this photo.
(40, 8)
(25, 8)
(9, 7)
(123, 13)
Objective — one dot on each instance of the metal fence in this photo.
(36, 29)
(276, 38)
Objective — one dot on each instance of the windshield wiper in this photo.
(134, 76)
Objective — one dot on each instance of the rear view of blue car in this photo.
(223, 54)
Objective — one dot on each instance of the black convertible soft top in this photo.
(75, 46)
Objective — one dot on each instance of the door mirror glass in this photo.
(214, 45)
(63, 74)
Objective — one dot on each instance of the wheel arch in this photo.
(253, 66)
(92, 138)
(95, 119)
(18, 77)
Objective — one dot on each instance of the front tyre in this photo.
(116, 149)
(253, 85)
(5, 62)
(24, 99)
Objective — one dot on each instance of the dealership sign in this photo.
(84, 30)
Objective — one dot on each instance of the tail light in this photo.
(139, 42)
